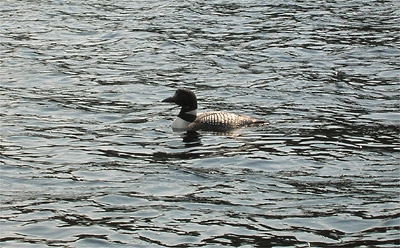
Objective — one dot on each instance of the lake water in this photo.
(88, 157)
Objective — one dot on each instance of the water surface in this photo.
(88, 157)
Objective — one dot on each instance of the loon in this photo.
(217, 121)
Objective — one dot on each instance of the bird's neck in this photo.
(188, 116)
(183, 120)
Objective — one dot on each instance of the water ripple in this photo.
(88, 157)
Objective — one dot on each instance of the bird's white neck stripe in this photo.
(192, 112)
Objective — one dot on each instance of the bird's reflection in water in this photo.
(192, 139)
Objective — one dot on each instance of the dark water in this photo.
(88, 157)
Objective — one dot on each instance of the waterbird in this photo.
(216, 121)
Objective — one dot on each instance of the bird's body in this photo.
(219, 121)
(216, 121)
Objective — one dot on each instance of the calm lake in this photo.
(88, 157)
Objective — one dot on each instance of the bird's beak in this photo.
(169, 99)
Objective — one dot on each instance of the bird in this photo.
(216, 121)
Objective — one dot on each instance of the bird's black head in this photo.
(184, 98)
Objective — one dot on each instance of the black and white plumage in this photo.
(217, 121)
